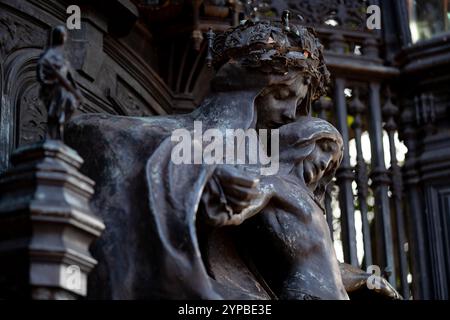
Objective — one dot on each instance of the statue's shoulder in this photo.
(294, 195)
(95, 120)
(121, 139)
(102, 120)
(54, 57)
(113, 127)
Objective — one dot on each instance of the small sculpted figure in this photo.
(59, 91)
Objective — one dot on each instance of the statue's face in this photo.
(324, 154)
(278, 104)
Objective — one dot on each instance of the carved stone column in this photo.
(46, 225)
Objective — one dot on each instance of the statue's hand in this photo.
(356, 281)
(239, 188)
(241, 196)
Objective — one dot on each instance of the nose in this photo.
(324, 161)
(290, 111)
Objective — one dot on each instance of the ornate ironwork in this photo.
(350, 14)
(345, 177)
(380, 183)
(357, 109)
(390, 111)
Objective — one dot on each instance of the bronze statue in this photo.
(249, 91)
(59, 91)
(168, 231)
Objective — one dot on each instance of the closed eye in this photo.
(325, 146)
(282, 93)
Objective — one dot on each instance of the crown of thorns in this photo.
(273, 47)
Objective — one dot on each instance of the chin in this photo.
(275, 125)
(268, 126)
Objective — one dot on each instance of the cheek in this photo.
(314, 155)
(305, 90)
(272, 108)
(298, 171)
(265, 105)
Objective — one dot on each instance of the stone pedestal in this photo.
(46, 225)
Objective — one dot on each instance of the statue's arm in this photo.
(72, 81)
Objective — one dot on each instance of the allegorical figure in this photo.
(286, 239)
(294, 224)
(58, 91)
(292, 245)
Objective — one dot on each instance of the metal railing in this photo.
(359, 102)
